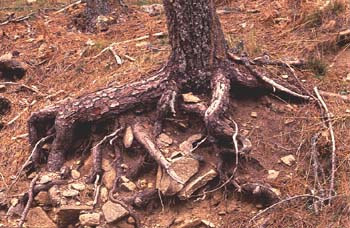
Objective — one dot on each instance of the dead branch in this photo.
(29, 202)
(267, 80)
(328, 121)
(26, 163)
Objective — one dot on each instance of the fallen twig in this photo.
(110, 47)
(17, 19)
(68, 6)
(328, 121)
(30, 88)
(283, 201)
(29, 202)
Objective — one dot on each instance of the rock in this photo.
(128, 186)
(113, 212)
(78, 186)
(276, 191)
(254, 114)
(12, 70)
(284, 76)
(70, 193)
(222, 213)
(208, 223)
(31, 1)
(288, 160)
(69, 215)
(128, 137)
(102, 23)
(75, 174)
(142, 184)
(54, 195)
(45, 179)
(104, 194)
(190, 98)
(131, 220)
(164, 140)
(109, 175)
(273, 174)
(188, 223)
(42, 198)
(187, 145)
(153, 10)
(14, 202)
(92, 219)
(184, 167)
(197, 183)
(38, 218)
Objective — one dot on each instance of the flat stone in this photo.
(189, 223)
(128, 186)
(37, 217)
(45, 179)
(78, 186)
(70, 193)
(197, 183)
(69, 215)
(92, 219)
(273, 174)
(254, 114)
(164, 140)
(190, 98)
(288, 160)
(184, 167)
(42, 198)
(113, 211)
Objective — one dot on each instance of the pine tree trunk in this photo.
(198, 62)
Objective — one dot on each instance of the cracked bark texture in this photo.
(198, 63)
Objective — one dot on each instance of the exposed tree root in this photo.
(29, 202)
(328, 121)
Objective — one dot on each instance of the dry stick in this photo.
(159, 34)
(29, 202)
(281, 202)
(331, 131)
(69, 6)
(28, 160)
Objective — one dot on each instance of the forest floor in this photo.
(62, 62)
